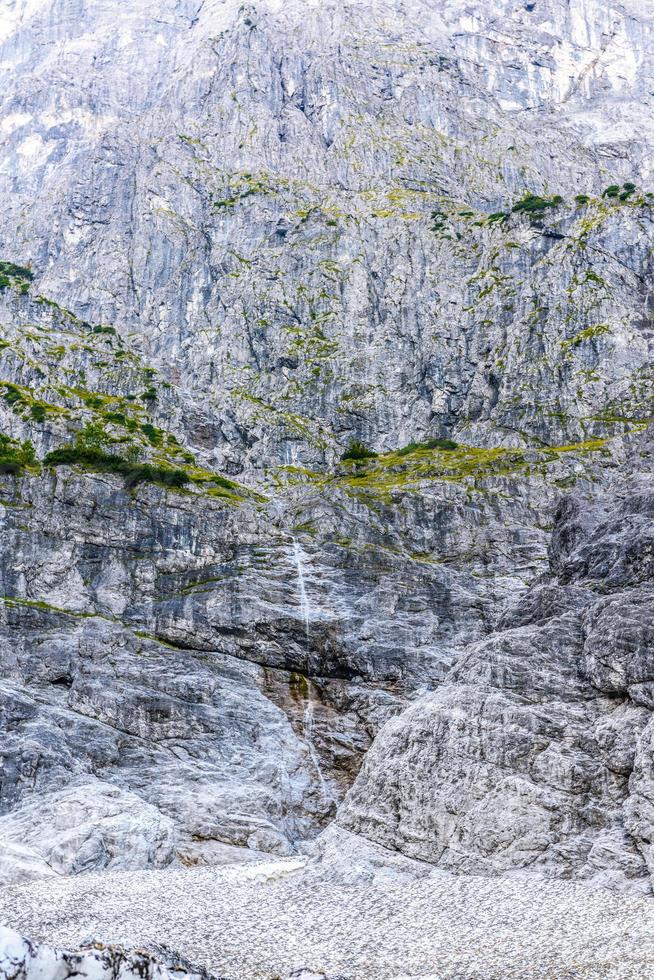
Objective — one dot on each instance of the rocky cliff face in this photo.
(237, 238)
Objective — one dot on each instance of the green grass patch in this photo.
(22, 402)
(15, 276)
(408, 470)
(535, 206)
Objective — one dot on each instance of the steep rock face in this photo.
(534, 752)
(236, 237)
(307, 217)
(227, 669)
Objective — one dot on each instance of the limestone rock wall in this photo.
(234, 238)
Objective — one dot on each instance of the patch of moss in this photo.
(153, 435)
(22, 402)
(392, 472)
(535, 206)
(16, 602)
(38, 412)
(498, 217)
(98, 328)
(12, 393)
(588, 333)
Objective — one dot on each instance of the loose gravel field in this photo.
(263, 921)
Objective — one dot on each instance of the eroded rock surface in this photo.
(534, 750)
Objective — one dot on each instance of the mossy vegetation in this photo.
(588, 333)
(453, 222)
(109, 430)
(620, 192)
(535, 206)
(447, 445)
(243, 185)
(23, 402)
(38, 412)
(408, 469)
(95, 450)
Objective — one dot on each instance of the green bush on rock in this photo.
(535, 206)
(92, 458)
(358, 450)
(15, 456)
(18, 276)
(445, 444)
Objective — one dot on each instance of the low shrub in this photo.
(15, 456)
(444, 444)
(535, 206)
(12, 393)
(8, 271)
(358, 450)
(221, 481)
(38, 412)
(151, 432)
(118, 417)
(439, 221)
(95, 459)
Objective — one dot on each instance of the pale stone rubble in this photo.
(355, 916)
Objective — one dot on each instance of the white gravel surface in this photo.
(266, 920)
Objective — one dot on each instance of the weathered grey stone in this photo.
(21, 959)
(88, 826)
(535, 752)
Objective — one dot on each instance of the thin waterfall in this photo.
(308, 718)
(308, 737)
(301, 586)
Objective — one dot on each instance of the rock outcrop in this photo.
(21, 959)
(535, 750)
